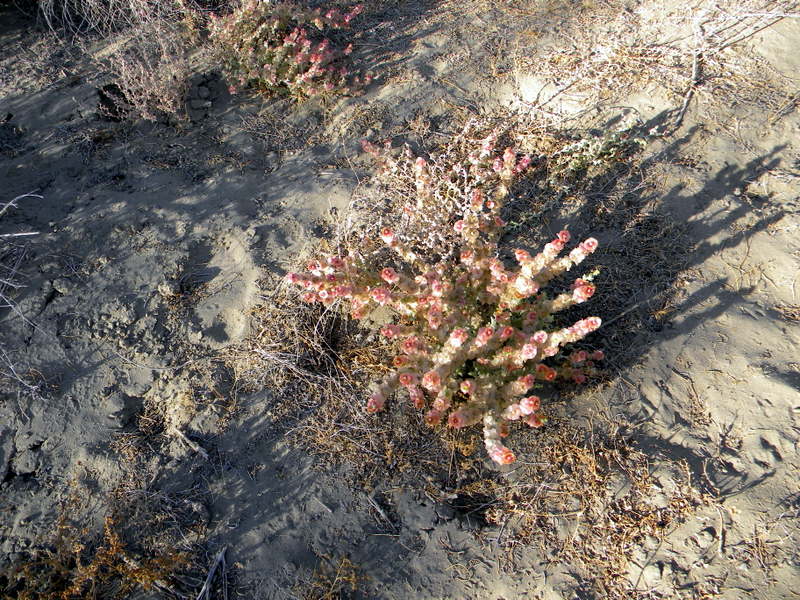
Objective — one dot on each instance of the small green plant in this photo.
(281, 48)
(473, 335)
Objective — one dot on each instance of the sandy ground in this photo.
(154, 241)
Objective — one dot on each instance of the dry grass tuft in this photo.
(591, 501)
(789, 313)
(72, 569)
(150, 65)
(107, 16)
(331, 580)
(13, 253)
(319, 364)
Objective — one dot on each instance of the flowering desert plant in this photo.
(473, 335)
(284, 48)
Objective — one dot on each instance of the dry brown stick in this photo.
(193, 445)
(695, 81)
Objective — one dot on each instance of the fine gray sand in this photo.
(156, 242)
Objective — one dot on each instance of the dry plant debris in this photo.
(617, 49)
(331, 580)
(74, 570)
(590, 500)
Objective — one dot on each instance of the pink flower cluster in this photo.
(474, 335)
(274, 47)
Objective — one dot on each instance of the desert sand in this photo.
(154, 245)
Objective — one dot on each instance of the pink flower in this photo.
(416, 396)
(410, 345)
(437, 288)
(526, 381)
(579, 378)
(484, 335)
(525, 286)
(344, 291)
(458, 419)
(314, 265)
(507, 331)
(530, 404)
(433, 417)
(400, 360)
(540, 337)
(458, 337)
(467, 386)
(387, 235)
(295, 278)
(528, 351)
(407, 379)
(381, 295)
(589, 245)
(593, 323)
(477, 200)
(376, 402)
(502, 455)
(432, 381)
(309, 297)
(522, 256)
(467, 257)
(564, 235)
(459, 225)
(535, 420)
(337, 262)
(441, 403)
(390, 331)
(582, 293)
(598, 355)
(545, 372)
(389, 275)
